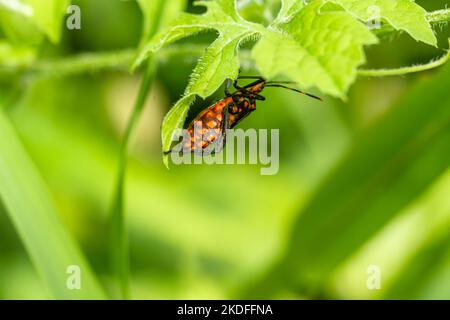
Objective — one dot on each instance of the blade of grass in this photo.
(427, 274)
(31, 210)
(156, 14)
(119, 237)
(388, 166)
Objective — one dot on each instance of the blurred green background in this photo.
(362, 182)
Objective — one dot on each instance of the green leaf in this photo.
(175, 119)
(45, 16)
(401, 14)
(314, 49)
(48, 16)
(26, 199)
(311, 43)
(277, 53)
(218, 63)
(16, 24)
(389, 165)
(220, 16)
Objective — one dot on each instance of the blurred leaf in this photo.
(18, 26)
(48, 16)
(30, 208)
(401, 14)
(389, 165)
(17, 6)
(19, 16)
(427, 275)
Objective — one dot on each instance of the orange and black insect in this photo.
(213, 122)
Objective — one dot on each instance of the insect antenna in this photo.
(280, 85)
(280, 82)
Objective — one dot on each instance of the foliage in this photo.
(343, 181)
(37, 16)
(312, 43)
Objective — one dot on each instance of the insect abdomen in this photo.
(240, 111)
(210, 122)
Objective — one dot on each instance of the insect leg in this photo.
(227, 87)
(236, 85)
(255, 96)
(226, 123)
(225, 126)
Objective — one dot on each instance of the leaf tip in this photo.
(166, 161)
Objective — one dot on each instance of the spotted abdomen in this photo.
(208, 125)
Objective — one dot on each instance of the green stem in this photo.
(439, 16)
(79, 64)
(119, 236)
(120, 253)
(97, 62)
(405, 70)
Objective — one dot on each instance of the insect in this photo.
(212, 123)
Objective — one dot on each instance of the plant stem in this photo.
(439, 16)
(96, 62)
(119, 236)
(405, 70)
(78, 64)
